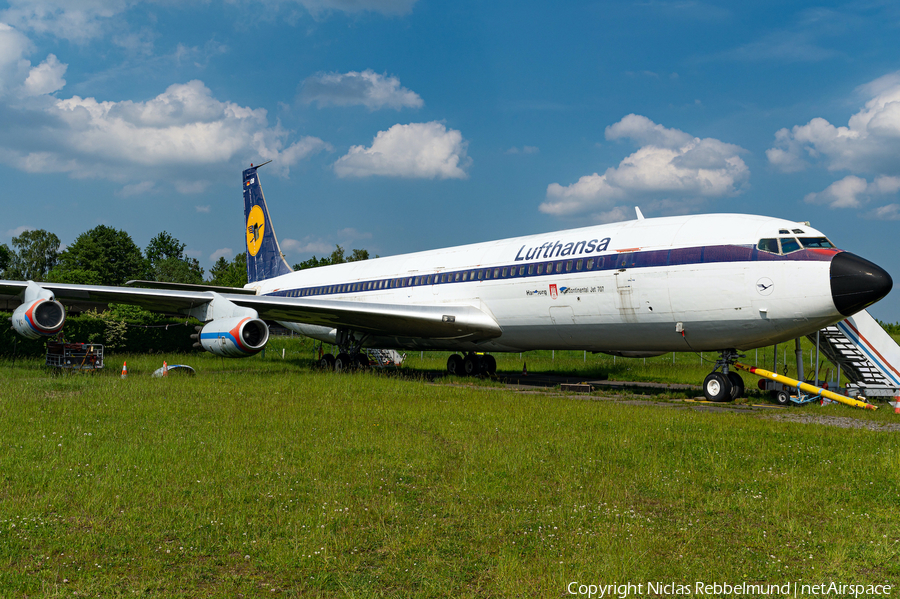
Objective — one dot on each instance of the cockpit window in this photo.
(797, 231)
(768, 245)
(789, 244)
(783, 232)
(816, 242)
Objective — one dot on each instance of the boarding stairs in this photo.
(865, 353)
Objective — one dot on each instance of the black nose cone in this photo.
(856, 283)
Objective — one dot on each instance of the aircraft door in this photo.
(563, 318)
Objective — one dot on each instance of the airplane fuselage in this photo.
(687, 283)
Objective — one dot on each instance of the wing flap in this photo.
(436, 322)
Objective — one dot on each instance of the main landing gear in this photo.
(350, 354)
(471, 365)
(726, 385)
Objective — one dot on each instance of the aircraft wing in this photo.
(441, 322)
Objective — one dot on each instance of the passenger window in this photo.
(768, 245)
(559, 266)
(531, 269)
(816, 242)
(496, 273)
(465, 276)
(540, 269)
(578, 264)
(410, 282)
(456, 278)
(521, 271)
(789, 244)
(568, 266)
(590, 264)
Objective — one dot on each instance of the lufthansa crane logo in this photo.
(256, 228)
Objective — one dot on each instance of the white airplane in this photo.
(714, 283)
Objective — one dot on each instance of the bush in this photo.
(165, 335)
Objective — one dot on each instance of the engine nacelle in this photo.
(39, 318)
(236, 337)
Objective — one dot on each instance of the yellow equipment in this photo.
(805, 387)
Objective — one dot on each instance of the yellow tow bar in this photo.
(805, 387)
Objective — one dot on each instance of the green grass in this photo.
(261, 477)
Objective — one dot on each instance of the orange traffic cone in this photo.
(165, 369)
(897, 405)
(124, 370)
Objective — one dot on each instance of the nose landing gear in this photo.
(726, 385)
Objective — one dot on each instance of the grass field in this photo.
(262, 477)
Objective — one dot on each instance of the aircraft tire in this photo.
(737, 385)
(472, 365)
(782, 397)
(717, 387)
(490, 365)
(362, 360)
(326, 362)
(455, 364)
(343, 362)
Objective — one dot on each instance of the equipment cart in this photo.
(75, 356)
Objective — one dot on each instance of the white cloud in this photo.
(46, 78)
(192, 186)
(387, 7)
(307, 245)
(416, 150)
(854, 192)
(523, 150)
(184, 125)
(869, 143)
(671, 168)
(367, 88)
(18, 231)
(226, 253)
(203, 209)
(136, 189)
(74, 20)
(888, 212)
(323, 247)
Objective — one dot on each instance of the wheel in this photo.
(472, 365)
(490, 365)
(362, 360)
(737, 385)
(326, 362)
(782, 397)
(717, 387)
(455, 364)
(343, 362)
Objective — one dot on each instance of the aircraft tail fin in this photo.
(264, 257)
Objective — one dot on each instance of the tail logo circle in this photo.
(256, 225)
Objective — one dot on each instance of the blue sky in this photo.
(403, 125)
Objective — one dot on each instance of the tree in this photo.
(109, 253)
(163, 246)
(34, 255)
(5, 258)
(337, 257)
(229, 274)
(166, 261)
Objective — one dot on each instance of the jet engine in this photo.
(39, 318)
(235, 337)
